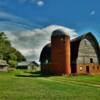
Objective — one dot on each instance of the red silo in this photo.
(60, 53)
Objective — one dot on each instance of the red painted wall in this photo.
(60, 50)
(93, 69)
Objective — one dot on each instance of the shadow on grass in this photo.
(33, 74)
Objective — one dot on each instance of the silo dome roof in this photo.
(59, 32)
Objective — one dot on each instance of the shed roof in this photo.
(27, 63)
(23, 63)
(3, 62)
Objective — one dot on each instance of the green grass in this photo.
(24, 85)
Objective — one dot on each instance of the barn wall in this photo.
(87, 53)
(93, 69)
(88, 59)
(46, 69)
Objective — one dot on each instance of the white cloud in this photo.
(31, 42)
(11, 36)
(26, 51)
(40, 3)
(92, 12)
(48, 30)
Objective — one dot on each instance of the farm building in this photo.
(80, 55)
(27, 65)
(3, 66)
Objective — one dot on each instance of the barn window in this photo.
(91, 60)
(81, 68)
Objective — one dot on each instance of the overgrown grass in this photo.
(26, 85)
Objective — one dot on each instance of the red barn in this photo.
(80, 55)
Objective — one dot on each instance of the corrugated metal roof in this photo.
(23, 63)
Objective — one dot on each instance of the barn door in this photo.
(87, 70)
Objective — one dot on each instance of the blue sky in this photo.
(18, 16)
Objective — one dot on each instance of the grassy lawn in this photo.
(23, 85)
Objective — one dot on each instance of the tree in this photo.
(12, 60)
(20, 57)
(9, 53)
(4, 45)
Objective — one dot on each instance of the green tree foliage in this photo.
(4, 45)
(12, 63)
(20, 57)
(9, 53)
(12, 59)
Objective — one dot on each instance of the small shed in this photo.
(22, 65)
(27, 65)
(3, 66)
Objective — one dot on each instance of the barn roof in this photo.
(46, 51)
(76, 42)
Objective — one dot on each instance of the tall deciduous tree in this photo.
(7, 52)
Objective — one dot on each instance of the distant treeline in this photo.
(9, 53)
